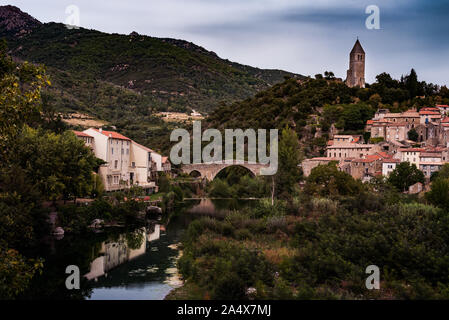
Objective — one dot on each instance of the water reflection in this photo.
(144, 259)
(114, 253)
(133, 264)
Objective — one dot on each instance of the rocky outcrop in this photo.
(15, 22)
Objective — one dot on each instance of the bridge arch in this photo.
(195, 173)
(251, 172)
(210, 170)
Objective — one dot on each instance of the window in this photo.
(123, 151)
(133, 164)
(127, 151)
(112, 150)
(115, 164)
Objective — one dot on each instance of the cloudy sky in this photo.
(301, 36)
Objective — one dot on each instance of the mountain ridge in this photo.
(175, 74)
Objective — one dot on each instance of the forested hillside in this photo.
(317, 107)
(125, 79)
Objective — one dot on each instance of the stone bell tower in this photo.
(356, 74)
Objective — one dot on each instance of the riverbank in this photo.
(317, 248)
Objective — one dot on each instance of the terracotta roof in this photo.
(430, 155)
(384, 155)
(391, 160)
(397, 124)
(164, 159)
(323, 159)
(426, 112)
(411, 113)
(370, 122)
(445, 120)
(412, 150)
(81, 134)
(430, 109)
(432, 163)
(393, 115)
(113, 135)
(368, 159)
(442, 106)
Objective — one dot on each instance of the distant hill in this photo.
(167, 73)
(125, 79)
(319, 108)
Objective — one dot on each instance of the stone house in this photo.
(127, 162)
(388, 165)
(308, 164)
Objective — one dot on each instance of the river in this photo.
(138, 264)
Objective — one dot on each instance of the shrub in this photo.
(324, 205)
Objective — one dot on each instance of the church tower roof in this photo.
(357, 48)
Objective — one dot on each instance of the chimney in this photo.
(101, 130)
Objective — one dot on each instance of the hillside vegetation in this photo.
(317, 107)
(125, 79)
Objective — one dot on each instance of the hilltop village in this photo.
(418, 137)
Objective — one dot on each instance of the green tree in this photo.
(16, 272)
(405, 175)
(443, 173)
(412, 84)
(288, 173)
(325, 180)
(59, 165)
(439, 193)
(413, 135)
(220, 189)
(20, 88)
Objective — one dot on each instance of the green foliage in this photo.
(327, 180)
(220, 189)
(288, 173)
(177, 75)
(235, 185)
(413, 135)
(376, 140)
(59, 165)
(324, 257)
(439, 193)
(16, 272)
(20, 86)
(405, 175)
(76, 219)
(283, 104)
(443, 173)
(232, 268)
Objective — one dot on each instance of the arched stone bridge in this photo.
(210, 170)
